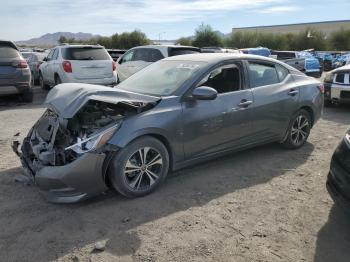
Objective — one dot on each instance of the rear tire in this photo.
(58, 80)
(139, 168)
(298, 130)
(43, 85)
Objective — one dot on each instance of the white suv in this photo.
(139, 57)
(89, 64)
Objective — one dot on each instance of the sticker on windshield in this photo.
(188, 66)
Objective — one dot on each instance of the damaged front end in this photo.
(67, 157)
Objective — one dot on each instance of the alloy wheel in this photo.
(300, 130)
(143, 168)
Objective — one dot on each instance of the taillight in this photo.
(321, 87)
(67, 66)
(114, 66)
(22, 64)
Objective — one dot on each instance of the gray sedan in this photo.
(176, 112)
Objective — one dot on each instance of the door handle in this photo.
(245, 103)
(293, 92)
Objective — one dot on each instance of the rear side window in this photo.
(147, 55)
(85, 53)
(262, 74)
(182, 51)
(8, 52)
(340, 78)
(281, 72)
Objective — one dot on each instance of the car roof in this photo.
(165, 47)
(72, 45)
(8, 43)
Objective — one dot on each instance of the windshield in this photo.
(161, 78)
(85, 53)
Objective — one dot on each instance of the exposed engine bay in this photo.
(56, 141)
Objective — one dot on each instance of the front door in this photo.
(219, 124)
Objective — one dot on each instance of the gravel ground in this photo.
(263, 204)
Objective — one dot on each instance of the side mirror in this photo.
(45, 59)
(204, 93)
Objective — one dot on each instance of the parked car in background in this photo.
(176, 112)
(77, 64)
(341, 60)
(116, 53)
(262, 51)
(15, 75)
(139, 57)
(338, 181)
(300, 60)
(327, 60)
(337, 86)
(216, 49)
(34, 61)
(26, 55)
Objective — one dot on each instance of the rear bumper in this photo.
(109, 81)
(18, 88)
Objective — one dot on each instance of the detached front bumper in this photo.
(76, 181)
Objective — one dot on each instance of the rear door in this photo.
(44, 68)
(276, 98)
(51, 65)
(89, 62)
(9, 58)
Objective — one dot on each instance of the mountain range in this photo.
(51, 39)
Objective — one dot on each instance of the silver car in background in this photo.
(89, 64)
(141, 56)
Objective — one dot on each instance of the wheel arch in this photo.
(157, 135)
(310, 111)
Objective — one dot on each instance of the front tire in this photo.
(140, 167)
(298, 130)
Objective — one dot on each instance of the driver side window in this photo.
(223, 79)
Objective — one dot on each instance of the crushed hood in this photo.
(67, 99)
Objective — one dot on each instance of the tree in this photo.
(62, 39)
(205, 36)
(184, 41)
(340, 40)
(128, 40)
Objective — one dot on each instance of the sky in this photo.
(165, 19)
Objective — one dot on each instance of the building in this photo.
(326, 27)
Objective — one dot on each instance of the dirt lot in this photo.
(264, 204)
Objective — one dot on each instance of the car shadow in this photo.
(11, 102)
(30, 222)
(333, 240)
(337, 114)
